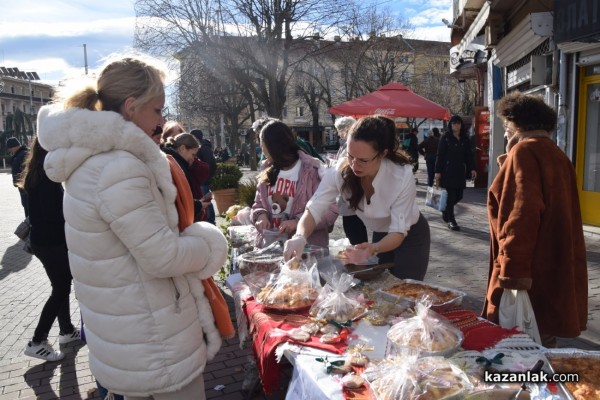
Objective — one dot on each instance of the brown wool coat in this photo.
(537, 237)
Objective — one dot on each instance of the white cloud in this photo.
(115, 26)
(440, 34)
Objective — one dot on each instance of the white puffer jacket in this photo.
(135, 276)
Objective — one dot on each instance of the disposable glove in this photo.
(294, 247)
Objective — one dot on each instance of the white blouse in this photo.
(392, 207)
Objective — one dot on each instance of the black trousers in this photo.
(454, 196)
(56, 263)
(430, 161)
(355, 229)
(24, 201)
(411, 258)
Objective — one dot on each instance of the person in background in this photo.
(183, 148)
(49, 245)
(454, 161)
(411, 146)
(149, 330)
(428, 148)
(170, 129)
(289, 178)
(307, 147)
(354, 228)
(205, 153)
(537, 242)
(19, 153)
(373, 161)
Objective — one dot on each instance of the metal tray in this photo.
(568, 353)
(455, 302)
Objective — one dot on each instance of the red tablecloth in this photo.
(478, 335)
(261, 324)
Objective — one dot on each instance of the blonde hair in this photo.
(168, 130)
(140, 77)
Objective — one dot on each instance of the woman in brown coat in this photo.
(536, 230)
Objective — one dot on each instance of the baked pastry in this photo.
(588, 369)
(430, 378)
(417, 291)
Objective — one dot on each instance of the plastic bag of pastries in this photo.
(333, 304)
(296, 286)
(407, 377)
(427, 332)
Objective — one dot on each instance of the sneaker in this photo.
(69, 337)
(44, 351)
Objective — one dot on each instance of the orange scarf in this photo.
(185, 208)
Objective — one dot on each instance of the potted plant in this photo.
(224, 184)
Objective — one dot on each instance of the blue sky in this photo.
(48, 36)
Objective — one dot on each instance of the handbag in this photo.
(516, 310)
(436, 198)
(23, 229)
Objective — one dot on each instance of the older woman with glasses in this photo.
(537, 244)
(376, 180)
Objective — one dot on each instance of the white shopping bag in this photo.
(516, 310)
(436, 198)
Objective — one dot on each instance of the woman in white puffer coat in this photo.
(145, 320)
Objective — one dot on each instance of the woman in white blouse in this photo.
(376, 179)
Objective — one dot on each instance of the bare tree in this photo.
(247, 41)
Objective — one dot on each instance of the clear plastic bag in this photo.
(296, 286)
(410, 378)
(427, 332)
(242, 235)
(333, 304)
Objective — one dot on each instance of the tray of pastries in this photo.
(409, 291)
(586, 364)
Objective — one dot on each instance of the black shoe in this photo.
(444, 216)
(453, 226)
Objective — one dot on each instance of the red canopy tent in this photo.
(392, 100)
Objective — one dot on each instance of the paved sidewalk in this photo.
(458, 260)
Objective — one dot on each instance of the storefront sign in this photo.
(576, 20)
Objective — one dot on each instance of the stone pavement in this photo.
(458, 260)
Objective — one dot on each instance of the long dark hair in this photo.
(380, 133)
(33, 170)
(283, 149)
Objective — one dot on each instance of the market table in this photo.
(309, 380)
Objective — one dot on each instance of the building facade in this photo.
(544, 47)
(21, 96)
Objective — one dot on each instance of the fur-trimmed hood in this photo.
(72, 136)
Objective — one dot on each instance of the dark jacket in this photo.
(196, 174)
(429, 146)
(413, 147)
(205, 153)
(454, 160)
(46, 213)
(537, 241)
(16, 163)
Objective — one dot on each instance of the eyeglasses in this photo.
(359, 161)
